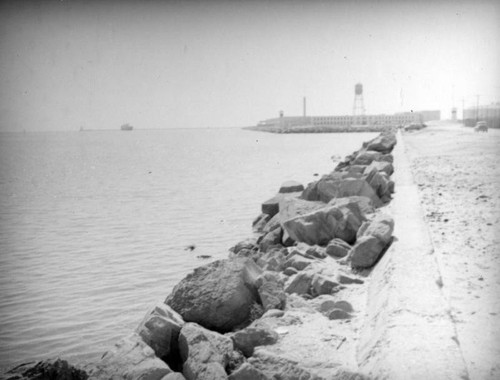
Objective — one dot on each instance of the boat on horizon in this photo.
(126, 127)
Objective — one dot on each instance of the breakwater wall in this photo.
(320, 129)
(313, 294)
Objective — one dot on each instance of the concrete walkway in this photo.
(409, 332)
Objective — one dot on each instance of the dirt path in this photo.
(458, 175)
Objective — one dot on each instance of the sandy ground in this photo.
(457, 172)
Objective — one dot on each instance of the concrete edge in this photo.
(408, 331)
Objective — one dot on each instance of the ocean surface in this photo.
(94, 225)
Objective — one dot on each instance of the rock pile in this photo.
(258, 314)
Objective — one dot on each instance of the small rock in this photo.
(247, 339)
(247, 372)
(337, 248)
(290, 271)
(298, 262)
(301, 284)
(339, 314)
(291, 187)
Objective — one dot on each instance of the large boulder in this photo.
(301, 284)
(379, 184)
(292, 207)
(247, 339)
(383, 143)
(274, 259)
(205, 353)
(373, 238)
(271, 239)
(160, 330)
(381, 166)
(272, 205)
(346, 187)
(218, 295)
(46, 369)
(323, 225)
(130, 359)
(297, 261)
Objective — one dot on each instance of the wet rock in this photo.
(301, 284)
(247, 372)
(132, 359)
(323, 225)
(247, 339)
(205, 353)
(46, 369)
(160, 330)
(218, 295)
(337, 248)
(291, 187)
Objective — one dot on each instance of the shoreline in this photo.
(320, 129)
(313, 311)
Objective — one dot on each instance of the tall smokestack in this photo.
(304, 106)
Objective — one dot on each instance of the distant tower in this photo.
(358, 110)
(304, 106)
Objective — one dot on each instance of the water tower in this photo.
(358, 110)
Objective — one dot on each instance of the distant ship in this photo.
(126, 127)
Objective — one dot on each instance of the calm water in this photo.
(93, 225)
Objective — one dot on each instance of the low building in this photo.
(350, 120)
(489, 113)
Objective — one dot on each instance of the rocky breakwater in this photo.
(287, 303)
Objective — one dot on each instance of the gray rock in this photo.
(160, 330)
(343, 305)
(271, 239)
(290, 271)
(316, 251)
(366, 251)
(218, 295)
(329, 189)
(364, 204)
(366, 157)
(274, 260)
(272, 205)
(346, 280)
(272, 224)
(247, 339)
(382, 227)
(383, 143)
(247, 372)
(292, 207)
(205, 353)
(291, 187)
(130, 359)
(323, 225)
(46, 369)
(174, 376)
(337, 248)
(276, 367)
(298, 262)
(339, 314)
(378, 182)
(322, 285)
(260, 222)
(273, 313)
(301, 284)
(380, 166)
(271, 293)
(248, 244)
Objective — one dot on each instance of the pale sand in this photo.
(457, 172)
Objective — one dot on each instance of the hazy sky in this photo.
(155, 64)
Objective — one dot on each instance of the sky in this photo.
(187, 64)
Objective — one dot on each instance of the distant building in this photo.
(353, 120)
(489, 113)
